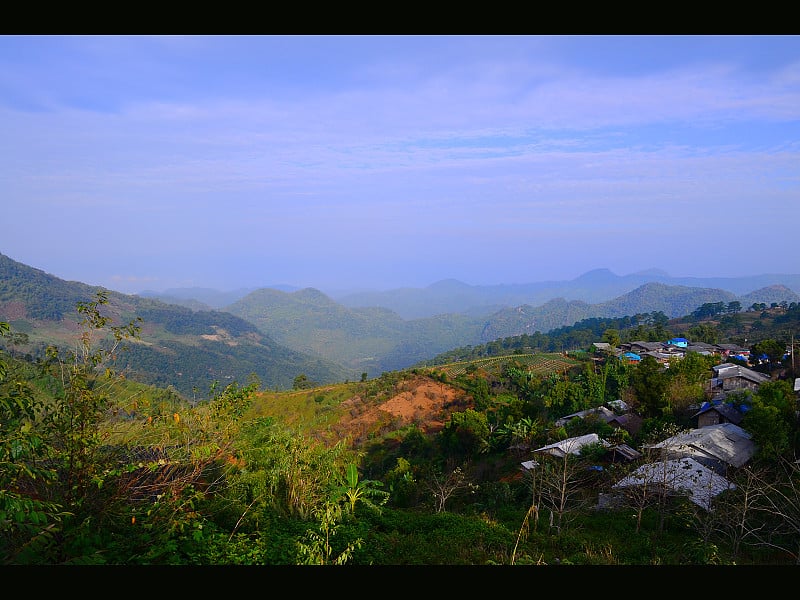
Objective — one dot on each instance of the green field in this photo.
(538, 363)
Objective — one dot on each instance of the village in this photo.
(692, 463)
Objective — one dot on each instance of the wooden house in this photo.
(730, 377)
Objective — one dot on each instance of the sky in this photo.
(145, 163)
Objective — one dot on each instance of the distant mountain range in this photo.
(183, 348)
(593, 287)
(453, 296)
(192, 336)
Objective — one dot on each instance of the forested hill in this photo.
(712, 323)
(279, 335)
(367, 340)
(178, 347)
(594, 287)
(673, 301)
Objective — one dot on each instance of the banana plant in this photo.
(366, 491)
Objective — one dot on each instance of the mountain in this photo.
(198, 298)
(178, 347)
(279, 334)
(375, 339)
(672, 300)
(593, 287)
(365, 340)
(769, 295)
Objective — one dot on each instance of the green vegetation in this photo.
(278, 335)
(177, 348)
(97, 469)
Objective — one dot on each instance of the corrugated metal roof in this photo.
(571, 445)
(601, 412)
(727, 370)
(730, 412)
(683, 476)
(626, 451)
(726, 442)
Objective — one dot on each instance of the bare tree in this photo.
(778, 506)
(561, 486)
(734, 510)
(444, 486)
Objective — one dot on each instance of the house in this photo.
(630, 357)
(702, 348)
(630, 422)
(572, 445)
(727, 350)
(601, 412)
(713, 413)
(664, 356)
(625, 452)
(730, 377)
(618, 406)
(678, 341)
(603, 347)
(641, 347)
(681, 476)
(716, 446)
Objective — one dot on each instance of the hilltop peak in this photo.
(597, 275)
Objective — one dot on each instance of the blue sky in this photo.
(350, 162)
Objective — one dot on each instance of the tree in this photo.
(29, 523)
(704, 332)
(316, 547)
(778, 505)
(58, 481)
(466, 432)
(650, 483)
(770, 348)
(354, 491)
(687, 378)
(770, 419)
(565, 397)
(560, 485)
(612, 337)
(650, 383)
(735, 508)
(301, 382)
(444, 486)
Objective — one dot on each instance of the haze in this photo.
(354, 162)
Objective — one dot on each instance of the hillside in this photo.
(178, 347)
(238, 479)
(594, 287)
(673, 301)
(278, 335)
(368, 339)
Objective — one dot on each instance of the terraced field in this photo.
(539, 363)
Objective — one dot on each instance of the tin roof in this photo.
(726, 370)
(571, 445)
(724, 442)
(684, 476)
(729, 411)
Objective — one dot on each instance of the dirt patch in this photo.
(12, 311)
(422, 402)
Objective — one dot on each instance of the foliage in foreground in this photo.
(96, 473)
